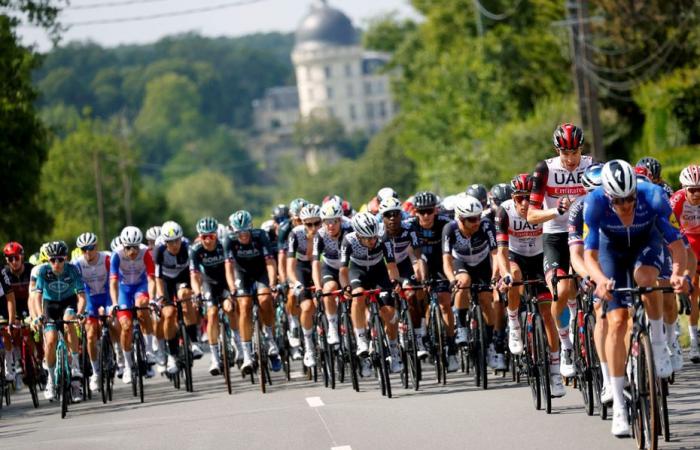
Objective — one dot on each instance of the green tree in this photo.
(385, 33)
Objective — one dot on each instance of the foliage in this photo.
(386, 34)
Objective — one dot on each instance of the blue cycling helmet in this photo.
(591, 178)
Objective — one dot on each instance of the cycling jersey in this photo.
(405, 240)
(352, 251)
(249, 257)
(283, 235)
(686, 217)
(470, 250)
(576, 225)
(20, 286)
(132, 272)
(552, 181)
(515, 232)
(171, 266)
(209, 263)
(95, 276)
(667, 188)
(297, 245)
(430, 241)
(327, 247)
(5, 288)
(56, 287)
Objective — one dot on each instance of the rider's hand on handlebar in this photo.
(602, 290)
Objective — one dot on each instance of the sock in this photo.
(160, 345)
(606, 373)
(618, 391)
(173, 346)
(268, 332)
(75, 360)
(308, 338)
(236, 336)
(656, 330)
(247, 348)
(191, 333)
(462, 317)
(513, 321)
(52, 374)
(293, 321)
(332, 318)
(564, 338)
(127, 359)
(693, 331)
(149, 343)
(670, 334)
(214, 351)
(95, 366)
(572, 309)
(554, 363)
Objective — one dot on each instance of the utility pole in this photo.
(586, 90)
(126, 181)
(100, 198)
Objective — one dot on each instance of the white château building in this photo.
(335, 77)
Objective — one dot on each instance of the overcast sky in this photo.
(238, 18)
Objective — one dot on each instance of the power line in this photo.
(163, 15)
(494, 16)
(112, 4)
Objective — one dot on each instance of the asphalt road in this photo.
(304, 415)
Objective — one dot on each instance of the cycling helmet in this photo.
(268, 225)
(56, 249)
(567, 136)
(43, 256)
(642, 173)
(500, 193)
(591, 177)
(448, 204)
(521, 184)
(478, 191)
(385, 193)
(332, 198)
(296, 205)
(280, 213)
(115, 244)
(425, 200)
(75, 254)
(331, 210)
(241, 221)
(153, 233)
(347, 208)
(221, 231)
(365, 225)
(690, 176)
(207, 225)
(13, 249)
(170, 231)
(309, 211)
(131, 236)
(389, 204)
(85, 240)
(652, 164)
(467, 206)
(618, 178)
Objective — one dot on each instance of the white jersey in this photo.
(522, 237)
(95, 276)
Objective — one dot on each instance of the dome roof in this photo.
(325, 25)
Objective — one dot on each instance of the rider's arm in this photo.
(535, 213)
(11, 307)
(150, 271)
(82, 302)
(447, 266)
(282, 265)
(316, 261)
(502, 225)
(291, 269)
(591, 237)
(343, 273)
(577, 262)
(271, 268)
(493, 245)
(114, 279)
(229, 266)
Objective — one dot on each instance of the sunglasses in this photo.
(570, 152)
(208, 236)
(622, 201)
(470, 219)
(133, 247)
(57, 260)
(366, 239)
(521, 198)
(392, 214)
(313, 224)
(12, 258)
(693, 190)
(87, 248)
(331, 221)
(424, 212)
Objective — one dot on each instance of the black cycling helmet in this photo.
(56, 249)
(652, 164)
(280, 213)
(500, 193)
(425, 200)
(478, 191)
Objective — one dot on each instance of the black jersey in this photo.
(168, 265)
(283, 235)
(211, 264)
(469, 249)
(250, 257)
(405, 240)
(352, 251)
(430, 241)
(19, 284)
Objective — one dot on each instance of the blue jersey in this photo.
(652, 212)
(55, 287)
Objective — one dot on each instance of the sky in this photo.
(226, 18)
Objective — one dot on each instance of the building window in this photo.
(350, 91)
(382, 109)
(331, 111)
(327, 71)
(368, 88)
(329, 92)
(370, 110)
(380, 87)
(311, 94)
(348, 70)
(308, 73)
(353, 113)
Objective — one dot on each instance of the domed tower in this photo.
(335, 76)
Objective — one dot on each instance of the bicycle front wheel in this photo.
(647, 428)
(543, 362)
(141, 363)
(260, 355)
(382, 355)
(226, 352)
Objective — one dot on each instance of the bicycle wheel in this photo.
(63, 380)
(662, 401)
(543, 362)
(529, 358)
(594, 380)
(348, 334)
(329, 356)
(3, 382)
(259, 351)
(186, 357)
(479, 335)
(321, 346)
(382, 354)
(226, 351)
(29, 366)
(283, 342)
(141, 364)
(104, 367)
(441, 339)
(582, 364)
(647, 408)
(85, 365)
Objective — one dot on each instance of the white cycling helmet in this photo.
(115, 244)
(153, 233)
(309, 211)
(331, 210)
(86, 239)
(618, 179)
(130, 236)
(448, 203)
(267, 225)
(389, 204)
(221, 231)
(386, 192)
(467, 206)
(365, 225)
(690, 176)
(171, 231)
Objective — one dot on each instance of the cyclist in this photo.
(299, 256)
(131, 283)
(249, 253)
(60, 288)
(9, 312)
(428, 226)
(213, 281)
(654, 167)
(171, 259)
(590, 180)
(468, 243)
(367, 263)
(17, 273)
(152, 235)
(686, 208)
(409, 262)
(283, 231)
(556, 185)
(326, 262)
(625, 222)
(93, 266)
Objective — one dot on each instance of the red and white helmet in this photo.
(690, 176)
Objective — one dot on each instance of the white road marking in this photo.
(314, 402)
(342, 447)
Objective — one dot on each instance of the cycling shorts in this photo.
(328, 274)
(620, 265)
(128, 294)
(667, 268)
(94, 302)
(56, 310)
(479, 274)
(556, 253)
(372, 277)
(531, 268)
(214, 293)
(406, 269)
(250, 283)
(173, 285)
